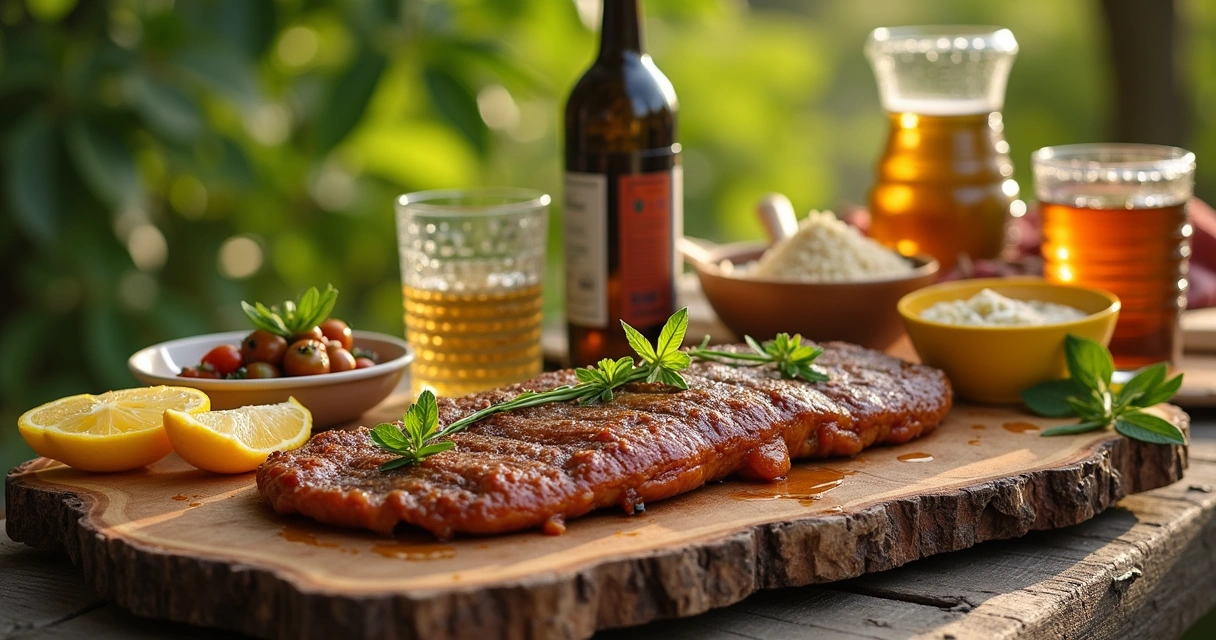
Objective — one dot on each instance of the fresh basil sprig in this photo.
(792, 358)
(664, 361)
(1088, 395)
(295, 316)
(419, 436)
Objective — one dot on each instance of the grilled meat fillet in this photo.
(534, 467)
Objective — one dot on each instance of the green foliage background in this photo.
(137, 137)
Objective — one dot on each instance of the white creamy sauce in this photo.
(991, 309)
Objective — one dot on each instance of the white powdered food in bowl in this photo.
(991, 309)
(825, 249)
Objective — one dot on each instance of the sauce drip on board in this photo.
(915, 456)
(978, 427)
(396, 549)
(804, 485)
(974, 441)
(1020, 427)
(413, 551)
(302, 536)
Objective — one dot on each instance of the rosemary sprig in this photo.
(1089, 395)
(419, 437)
(298, 316)
(792, 358)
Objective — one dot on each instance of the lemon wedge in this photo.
(114, 431)
(238, 440)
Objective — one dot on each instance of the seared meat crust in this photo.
(526, 468)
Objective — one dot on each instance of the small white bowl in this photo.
(333, 398)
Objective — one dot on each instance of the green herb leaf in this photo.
(787, 353)
(1144, 381)
(1162, 393)
(1149, 428)
(1050, 398)
(663, 364)
(1080, 427)
(639, 343)
(417, 438)
(672, 335)
(1087, 394)
(310, 310)
(397, 463)
(1087, 408)
(1089, 363)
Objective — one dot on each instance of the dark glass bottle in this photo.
(623, 193)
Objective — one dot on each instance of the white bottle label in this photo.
(586, 240)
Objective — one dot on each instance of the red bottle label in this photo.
(646, 247)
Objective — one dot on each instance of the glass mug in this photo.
(472, 269)
(945, 180)
(1114, 217)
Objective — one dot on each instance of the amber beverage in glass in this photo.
(472, 264)
(944, 183)
(1114, 217)
(623, 196)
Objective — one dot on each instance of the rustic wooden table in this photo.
(1145, 569)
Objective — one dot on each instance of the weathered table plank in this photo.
(1144, 569)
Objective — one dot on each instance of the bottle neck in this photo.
(621, 29)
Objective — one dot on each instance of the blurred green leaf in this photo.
(248, 24)
(502, 61)
(107, 346)
(166, 109)
(105, 163)
(348, 98)
(456, 103)
(221, 70)
(25, 75)
(50, 10)
(31, 178)
(20, 341)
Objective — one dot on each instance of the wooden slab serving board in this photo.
(174, 542)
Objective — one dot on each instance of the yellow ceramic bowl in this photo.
(995, 364)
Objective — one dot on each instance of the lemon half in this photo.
(114, 431)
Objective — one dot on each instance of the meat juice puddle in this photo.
(414, 552)
(976, 440)
(915, 456)
(1020, 427)
(395, 549)
(804, 485)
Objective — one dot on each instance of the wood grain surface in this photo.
(148, 539)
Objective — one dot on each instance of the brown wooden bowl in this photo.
(862, 312)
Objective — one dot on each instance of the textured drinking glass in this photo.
(945, 180)
(1114, 217)
(472, 268)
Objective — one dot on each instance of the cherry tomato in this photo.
(201, 371)
(306, 358)
(263, 346)
(224, 359)
(363, 363)
(335, 329)
(340, 359)
(261, 370)
(310, 334)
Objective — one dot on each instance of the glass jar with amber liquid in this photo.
(945, 180)
(623, 193)
(1114, 217)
